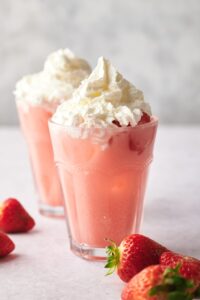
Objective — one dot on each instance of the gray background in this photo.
(154, 43)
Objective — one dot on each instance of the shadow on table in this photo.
(32, 232)
(9, 258)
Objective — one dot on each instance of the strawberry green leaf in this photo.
(174, 286)
(179, 296)
(113, 257)
(190, 284)
(155, 290)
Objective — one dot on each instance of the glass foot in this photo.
(51, 211)
(86, 252)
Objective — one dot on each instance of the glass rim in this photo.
(154, 121)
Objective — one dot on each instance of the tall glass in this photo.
(34, 124)
(103, 174)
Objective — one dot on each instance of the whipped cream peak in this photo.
(107, 82)
(58, 61)
(102, 99)
(62, 74)
(62, 61)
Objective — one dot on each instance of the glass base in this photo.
(86, 252)
(51, 211)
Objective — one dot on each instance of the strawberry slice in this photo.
(134, 254)
(144, 119)
(6, 245)
(14, 218)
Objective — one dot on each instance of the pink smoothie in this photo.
(104, 186)
(34, 123)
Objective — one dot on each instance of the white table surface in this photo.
(43, 268)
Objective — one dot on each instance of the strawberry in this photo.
(159, 283)
(14, 218)
(6, 245)
(190, 266)
(134, 254)
(144, 119)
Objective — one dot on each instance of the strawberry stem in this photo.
(113, 257)
(175, 286)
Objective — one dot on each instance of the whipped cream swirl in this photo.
(62, 74)
(105, 96)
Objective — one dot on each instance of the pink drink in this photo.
(38, 96)
(103, 184)
(34, 123)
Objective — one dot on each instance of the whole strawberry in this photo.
(14, 218)
(6, 245)
(190, 266)
(159, 283)
(134, 254)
